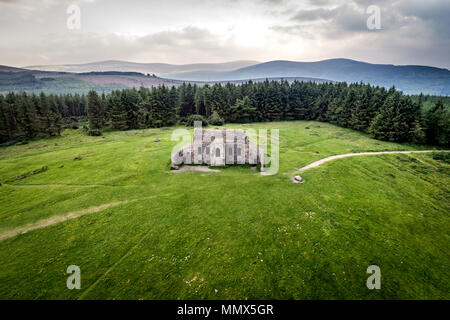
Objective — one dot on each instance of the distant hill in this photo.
(35, 81)
(288, 79)
(10, 69)
(410, 79)
(110, 75)
(64, 82)
(160, 69)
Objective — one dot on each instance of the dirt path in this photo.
(9, 233)
(53, 220)
(345, 155)
(195, 168)
(69, 185)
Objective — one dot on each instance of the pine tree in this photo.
(273, 108)
(243, 111)
(117, 113)
(361, 114)
(26, 116)
(130, 101)
(156, 108)
(200, 102)
(187, 100)
(344, 111)
(43, 110)
(219, 101)
(95, 114)
(5, 129)
(174, 102)
(437, 125)
(54, 118)
(297, 106)
(397, 120)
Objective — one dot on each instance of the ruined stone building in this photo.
(219, 148)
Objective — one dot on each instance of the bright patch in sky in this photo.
(193, 31)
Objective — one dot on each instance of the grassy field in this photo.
(228, 235)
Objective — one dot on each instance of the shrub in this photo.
(196, 117)
(215, 119)
(443, 156)
(95, 132)
(157, 123)
(27, 174)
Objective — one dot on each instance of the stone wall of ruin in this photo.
(218, 148)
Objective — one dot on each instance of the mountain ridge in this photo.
(411, 79)
(162, 69)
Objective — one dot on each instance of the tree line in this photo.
(25, 117)
(386, 114)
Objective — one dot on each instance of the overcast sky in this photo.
(191, 31)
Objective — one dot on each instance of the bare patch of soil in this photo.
(53, 220)
(319, 162)
(196, 168)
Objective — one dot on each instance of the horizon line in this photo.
(225, 62)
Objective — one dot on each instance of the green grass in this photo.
(228, 235)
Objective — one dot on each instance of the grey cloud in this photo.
(313, 14)
(168, 46)
(295, 30)
(413, 31)
(342, 18)
(319, 2)
(427, 10)
(436, 14)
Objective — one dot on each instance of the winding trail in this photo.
(9, 233)
(53, 220)
(345, 155)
